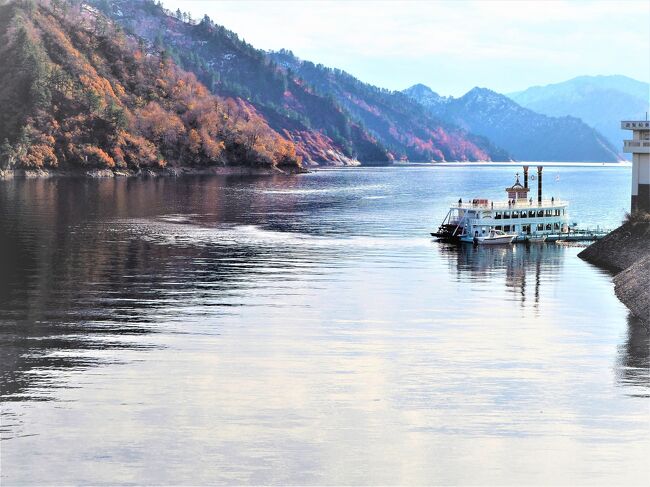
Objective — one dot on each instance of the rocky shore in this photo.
(626, 252)
(165, 172)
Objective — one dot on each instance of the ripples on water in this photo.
(307, 330)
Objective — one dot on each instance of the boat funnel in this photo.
(526, 177)
(539, 184)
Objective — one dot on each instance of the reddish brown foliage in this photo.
(107, 104)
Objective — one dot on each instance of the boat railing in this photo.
(512, 221)
(504, 205)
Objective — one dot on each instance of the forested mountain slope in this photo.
(398, 121)
(77, 93)
(324, 123)
(322, 132)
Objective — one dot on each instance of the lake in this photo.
(308, 330)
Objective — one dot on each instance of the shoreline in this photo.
(95, 173)
(625, 253)
(513, 164)
(7, 174)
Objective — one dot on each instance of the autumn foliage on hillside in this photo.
(321, 129)
(76, 92)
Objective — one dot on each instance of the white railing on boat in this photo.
(504, 205)
(512, 221)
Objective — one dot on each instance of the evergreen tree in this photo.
(6, 155)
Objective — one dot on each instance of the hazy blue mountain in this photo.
(425, 95)
(525, 134)
(601, 101)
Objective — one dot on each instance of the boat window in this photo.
(497, 215)
(549, 226)
(506, 214)
(540, 213)
(540, 227)
(506, 228)
(498, 227)
(515, 214)
(531, 214)
(557, 226)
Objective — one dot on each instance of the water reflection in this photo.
(300, 330)
(522, 269)
(633, 365)
(86, 265)
(526, 272)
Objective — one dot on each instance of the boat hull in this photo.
(536, 239)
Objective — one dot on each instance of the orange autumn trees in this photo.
(78, 93)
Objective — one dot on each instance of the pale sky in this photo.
(450, 46)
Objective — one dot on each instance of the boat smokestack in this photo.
(539, 184)
(526, 177)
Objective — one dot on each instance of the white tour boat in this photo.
(495, 237)
(520, 217)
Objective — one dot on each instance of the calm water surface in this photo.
(308, 331)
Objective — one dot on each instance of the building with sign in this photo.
(639, 147)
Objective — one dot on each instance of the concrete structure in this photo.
(639, 147)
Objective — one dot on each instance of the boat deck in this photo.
(482, 204)
(577, 236)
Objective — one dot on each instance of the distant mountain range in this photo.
(325, 128)
(334, 118)
(106, 96)
(527, 135)
(600, 101)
